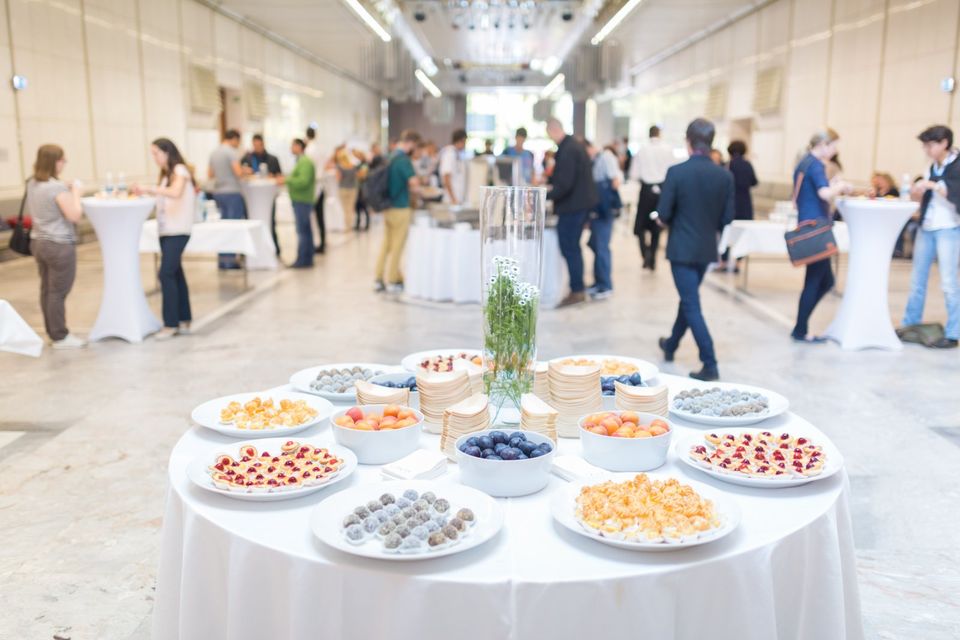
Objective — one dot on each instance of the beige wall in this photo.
(869, 68)
(107, 76)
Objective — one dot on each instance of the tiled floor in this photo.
(82, 490)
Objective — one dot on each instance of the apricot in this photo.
(657, 430)
(630, 416)
(403, 414)
(642, 433)
(388, 421)
(391, 410)
(623, 432)
(344, 421)
(355, 414)
(405, 422)
(363, 425)
(597, 429)
(628, 423)
(660, 423)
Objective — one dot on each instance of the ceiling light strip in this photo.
(553, 85)
(615, 21)
(427, 83)
(368, 19)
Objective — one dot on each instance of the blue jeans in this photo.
(944, 246)
(569, 230)
(232, 207)
(301, 213)
(600, 231)
(817, 282)
(687, 278)
(173, 284)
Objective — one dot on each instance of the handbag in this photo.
(812, 240)
(20, 240)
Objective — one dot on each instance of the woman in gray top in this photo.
(54, 209)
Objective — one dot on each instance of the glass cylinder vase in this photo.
(511, 229)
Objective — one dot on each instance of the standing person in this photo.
(607, 178)
(402, 181)
(54, 209)
(939, 234)
(319, 159)
(361, 211)
(650, 166)
(813, 194)
(301, 184)
(259, 162)
(696, 203)
(176, 200)
(744, 179)
(574, 195)
(626, 156)
(525, 155)
(348, 170)
(487, 148)
(453, 169)
(225, 171)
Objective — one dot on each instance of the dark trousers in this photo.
(601, 229)
(646, 228)
(57, 264)
(301, 213)
(273, 227)
(173, 284)
(816, 283)
(232, 207)
(361, 209)
(687, 278)
(569, 231)
(318, 209)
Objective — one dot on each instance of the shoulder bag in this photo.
(20, 240)
(812, 240)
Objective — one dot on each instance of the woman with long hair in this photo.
(55, 210)
(176, 200)
(813, 195)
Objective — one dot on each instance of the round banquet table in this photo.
(863, 320)
(232, 569)
(124, 312)
(259, 194)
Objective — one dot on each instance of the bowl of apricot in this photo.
(625, 440)
(378, 433)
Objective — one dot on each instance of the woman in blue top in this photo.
(813, 196)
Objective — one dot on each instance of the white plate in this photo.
(778, 404)
(208, 414)
(301, 379)
(327, 519)
(648, 371)
(833, 464)
(412, 362)
(200, 476)
(564, 502)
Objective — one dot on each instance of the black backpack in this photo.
(376, 188)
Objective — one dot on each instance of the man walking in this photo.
(225, 171)
(401, 182)
(696, 202)
(649, 166)
(453, 169)
(574, 195)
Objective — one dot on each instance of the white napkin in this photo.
(572, 468)
(419, 465)
(16, 336)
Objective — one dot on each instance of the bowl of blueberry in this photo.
(505, 464)
(608, 387)
(401, 380)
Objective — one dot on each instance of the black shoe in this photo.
(319, 250)
(667, 354)
(706, 374)
(809, 339)
(943, 343)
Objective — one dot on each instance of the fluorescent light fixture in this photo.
(615, 21)
(427, 64)
(368, 19)
(552, 86)
(536, 64)
(550, 65)
(427, 83)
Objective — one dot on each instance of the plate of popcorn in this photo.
(721, 404)
(407, 520)
(645, 512)
(263, 414)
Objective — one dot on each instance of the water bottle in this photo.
(121, 185)
(108, 185)
(905, 184)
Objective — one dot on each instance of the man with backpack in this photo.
(389, 190)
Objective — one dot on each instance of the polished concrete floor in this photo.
(85, 435)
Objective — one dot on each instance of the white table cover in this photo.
(16, 336)
(443, 264)
(748, 237)
(863, 320)
(233, 569)
(249, 237)
(124, 312)
(333, 219)
(259, 194)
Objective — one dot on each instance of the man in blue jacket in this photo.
(696, 202)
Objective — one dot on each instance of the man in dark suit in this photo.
(696, 202)
(574, 195)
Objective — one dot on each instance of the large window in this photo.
(496, 115)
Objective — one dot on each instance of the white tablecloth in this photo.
(259, 194)
(333, 219)
(249, 237)
(863, 320)
(444, 264)
(124, 312)
(748, 237)
(16, 336)
(233, 569)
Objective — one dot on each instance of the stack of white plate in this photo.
(541, 381)
(574, 391)
(465, 417)
(537, 416)
(439, 391)
(642, 399)
(370, 393)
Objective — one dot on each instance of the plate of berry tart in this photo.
(759, 458)
(272, 469)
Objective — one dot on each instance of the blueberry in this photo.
(493, 457)
(636, 379)
(515, 442)
(522, 456)
(411, 381)
(518, 434)
(486, 442)
(623, 379)
(472, 442)
(499, 437)
(500, 446)
(473, 451)
(510, 453)
(488, 452)
(608, 392)
(463, 447)
(527, 447)
(546, 446)
(536, 453)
